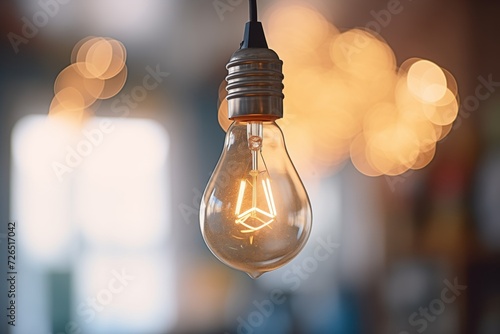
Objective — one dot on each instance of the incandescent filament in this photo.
(259, 215)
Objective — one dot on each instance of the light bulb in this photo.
(255, 214)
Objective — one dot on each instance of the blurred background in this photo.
(106, 206)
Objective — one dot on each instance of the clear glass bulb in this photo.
(255, 214)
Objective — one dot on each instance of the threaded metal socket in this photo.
(255, 85)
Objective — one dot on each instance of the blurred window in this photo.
(93, 220)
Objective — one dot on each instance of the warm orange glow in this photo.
(80, 52)
(78, 46)
(68, 105)
(105, 59)
(346, 96)
(98, 58)
(309, 29)
(424, 158)
(89, 88)
(97, 71)
(114, 85)
(445, 113)
(224, 122)
(361, 54)
(427, 81)
(445, 130)
(359, 157)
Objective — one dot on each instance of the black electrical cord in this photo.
(253, 10)
(254, 33)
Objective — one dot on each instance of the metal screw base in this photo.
(255, 85)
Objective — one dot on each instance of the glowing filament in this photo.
(240, 197)
(264, 217)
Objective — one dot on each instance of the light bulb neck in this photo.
(255, 85)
